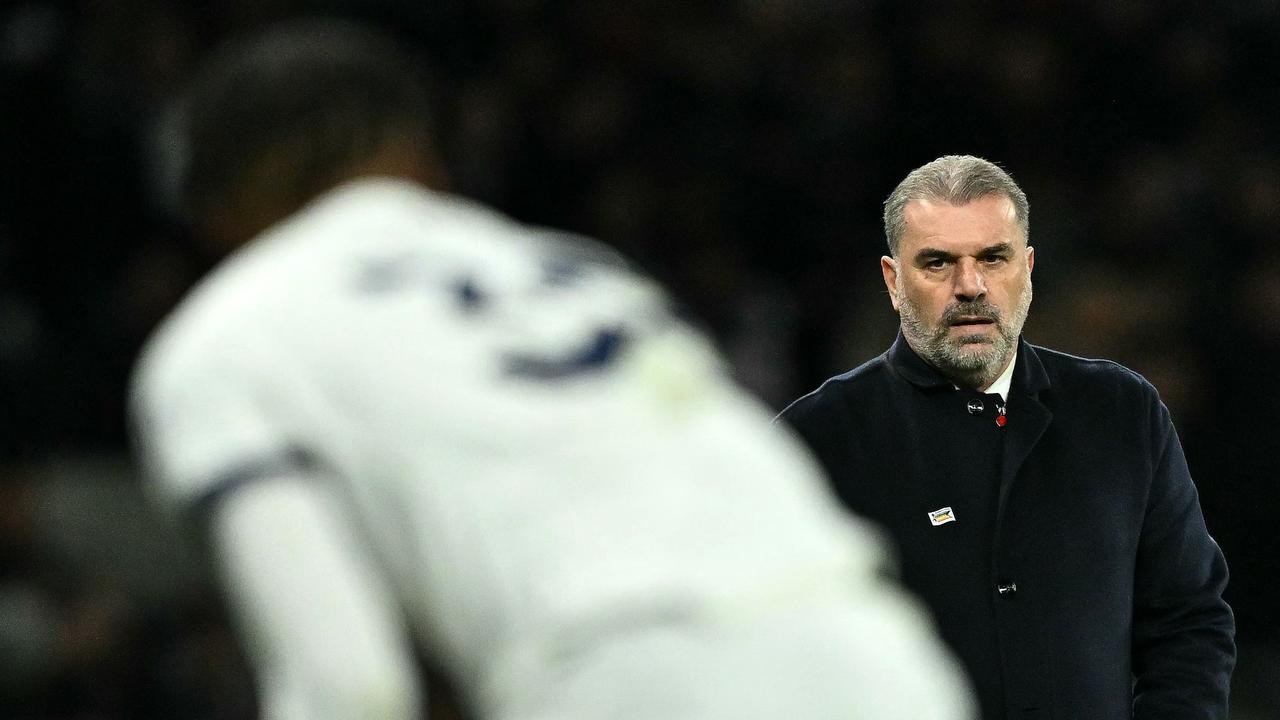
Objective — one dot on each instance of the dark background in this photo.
(739, 150)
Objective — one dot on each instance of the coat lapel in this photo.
(1028, 419)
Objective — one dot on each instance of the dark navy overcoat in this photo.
(1062, 550)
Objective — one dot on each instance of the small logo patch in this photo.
(942, 516)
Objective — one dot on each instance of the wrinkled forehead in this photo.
(988, 220)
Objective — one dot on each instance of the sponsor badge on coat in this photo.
(942, 516)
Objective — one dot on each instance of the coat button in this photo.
(1007, 590)
(975, 407)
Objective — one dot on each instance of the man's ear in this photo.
(1031, 259)
(889, 268)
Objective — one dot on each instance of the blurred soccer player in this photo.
(407, 420)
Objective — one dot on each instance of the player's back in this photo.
(560, 479)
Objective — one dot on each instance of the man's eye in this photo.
(935, 264)
(994, 259)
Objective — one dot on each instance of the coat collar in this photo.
(909, 366)
(1029, 375)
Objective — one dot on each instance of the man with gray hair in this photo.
(1040, 502)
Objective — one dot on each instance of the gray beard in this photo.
(974, 368)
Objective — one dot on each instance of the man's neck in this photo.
(1000, 386)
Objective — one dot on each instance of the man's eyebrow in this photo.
(928, 254)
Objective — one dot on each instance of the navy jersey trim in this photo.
(288, 461)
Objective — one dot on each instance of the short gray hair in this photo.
(954, 179)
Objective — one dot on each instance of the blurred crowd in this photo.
(739, 150)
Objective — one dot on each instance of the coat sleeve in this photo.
(1183, 631)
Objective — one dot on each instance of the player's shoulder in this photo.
(277, 271)
(191, 347)
(226, 316)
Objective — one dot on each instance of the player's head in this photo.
(272, 120)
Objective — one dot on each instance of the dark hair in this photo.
(307, 99)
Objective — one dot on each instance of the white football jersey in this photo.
(539, 453)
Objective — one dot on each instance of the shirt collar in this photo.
(1001, 385)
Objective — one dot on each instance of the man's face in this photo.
(961, 284)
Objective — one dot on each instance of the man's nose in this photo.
(970, 284)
